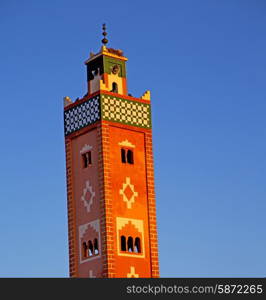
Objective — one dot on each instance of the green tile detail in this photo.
(110, 62)
(125, 111)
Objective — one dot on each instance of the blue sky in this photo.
(204, 62)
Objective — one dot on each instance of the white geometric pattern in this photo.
(126, 111)
(82, 115)
(126, 143)
(88, 189)
(85, 148)
(128, 198)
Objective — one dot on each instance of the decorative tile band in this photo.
(108, 108)
(125, 111)
(82, 115)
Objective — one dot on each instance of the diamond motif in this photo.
(87, 196)
(128, 193)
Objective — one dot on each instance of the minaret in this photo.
(109, 169)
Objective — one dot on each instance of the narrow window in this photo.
(96, 250)
(85, 162)
(130, 159)
(137, 245)
(90, 248)
(123, 243)
(123, 156)
(130, 244)
(85, 249)
(127, 156)
(114, 87)
(89, 157)
(86, 159)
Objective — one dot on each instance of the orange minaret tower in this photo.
(110, 179)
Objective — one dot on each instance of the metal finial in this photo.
(104, 40)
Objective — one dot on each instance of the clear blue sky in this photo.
(204, 62)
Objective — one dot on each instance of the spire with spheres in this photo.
(104, 40)
(104, 49)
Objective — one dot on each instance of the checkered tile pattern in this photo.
(82, 115)
(125, 111)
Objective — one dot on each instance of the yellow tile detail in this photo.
(132, 273)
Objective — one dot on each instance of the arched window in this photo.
(84, 249)
(137, 245)
(86, 159)
(90, 248)
(130, 244)
(127, 156)
(96, 249)
(123, 155)
(114, 87)
(130, 159)
(123, 243)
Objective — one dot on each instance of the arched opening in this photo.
(123, 243)
(130, 244)
(84, 249)
(137, 245)
(96, 249)
(130, 159)
(123, 156)
(90, 248)
(86, 159)
(114, 87)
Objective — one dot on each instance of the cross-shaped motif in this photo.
(132, 273)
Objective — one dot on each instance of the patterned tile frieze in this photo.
(82, 115)
(108, 108)
(125, 111)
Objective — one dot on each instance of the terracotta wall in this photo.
(86, 198)
(129, 180)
